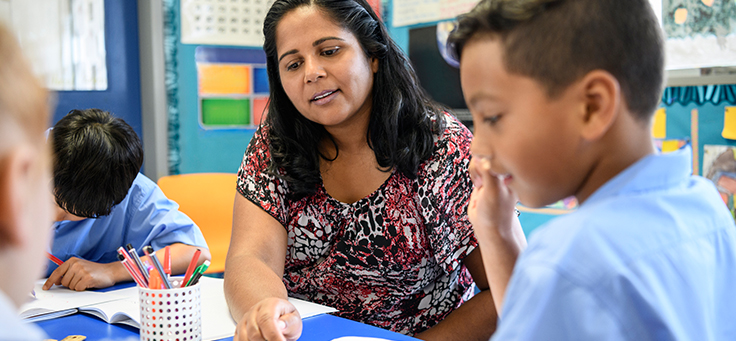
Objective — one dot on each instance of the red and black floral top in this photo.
(392, 259)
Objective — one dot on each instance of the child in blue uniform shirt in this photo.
(104, 203)
(562, 94)
(26, 205)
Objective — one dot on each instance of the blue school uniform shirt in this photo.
(144, 217)
(651, 255)
(12, 328)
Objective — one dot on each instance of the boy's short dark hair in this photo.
(556, 42)
(96, 158)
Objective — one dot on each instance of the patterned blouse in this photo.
(392, 259)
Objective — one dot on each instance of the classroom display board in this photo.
(64, 40)
(719, 166)
(232, 87)
(223, 22)
(700, 33)
(410, 12)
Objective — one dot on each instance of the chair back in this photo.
(208, 199)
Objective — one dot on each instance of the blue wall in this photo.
(123, 94)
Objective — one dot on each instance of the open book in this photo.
(122, 306)
(122, 311)
(60, 301)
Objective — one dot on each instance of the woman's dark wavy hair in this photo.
(403, 119)
(96, 158)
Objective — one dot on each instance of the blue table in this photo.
(317, 328)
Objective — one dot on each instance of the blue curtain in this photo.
(171, 36)
(685, 95)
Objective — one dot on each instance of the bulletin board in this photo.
(232, 87)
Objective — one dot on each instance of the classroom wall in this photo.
(195, 149)
(710, 101)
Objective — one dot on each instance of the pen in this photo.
(194, 274)
(148, 250)
(129, 267)
(126, 256)
(53, 258)
(137, 261)
(190, 268)
(198, 273)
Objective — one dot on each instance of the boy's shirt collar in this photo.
(651, 172)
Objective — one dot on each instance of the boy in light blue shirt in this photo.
(562, 94)
(105, 203)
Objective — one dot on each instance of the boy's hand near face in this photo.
(491, 203)
(79, 274)
(499, 233)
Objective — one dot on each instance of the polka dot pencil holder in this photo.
(171, 314)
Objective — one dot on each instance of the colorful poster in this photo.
(719, 165)
(232, 87)
(700, 33)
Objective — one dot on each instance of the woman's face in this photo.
(323, 68)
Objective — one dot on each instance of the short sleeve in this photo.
(542, 304)
(444, 193)
(255, 183)
(153, 214)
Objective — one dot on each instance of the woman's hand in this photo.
(271, 319)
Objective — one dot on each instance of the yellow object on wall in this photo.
(729, 124)
(659, 128)
(219, 79)
(670, 146)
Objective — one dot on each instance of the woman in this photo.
(354, 191)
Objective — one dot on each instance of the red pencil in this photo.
(167, 261)
(192, 266)
(54, 259)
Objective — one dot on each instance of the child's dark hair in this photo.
(403, 118)
(96, 158)
(556, 42)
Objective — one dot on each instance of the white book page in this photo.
(309, 309)
(216, 320)
(124, 310)
(60, 298)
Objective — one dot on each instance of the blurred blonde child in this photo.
(25, 192)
